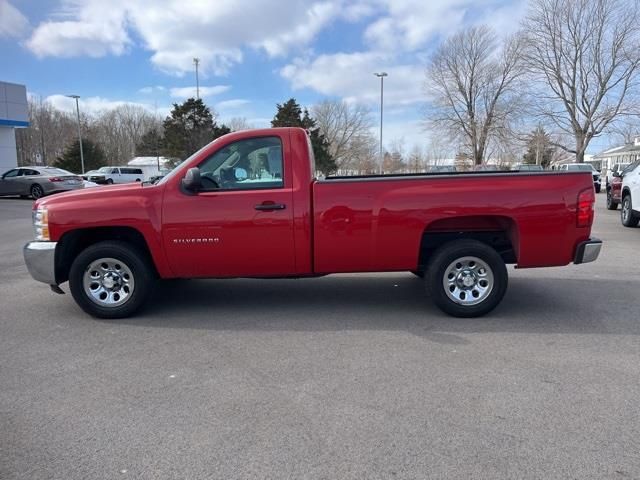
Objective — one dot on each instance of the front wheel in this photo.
(628, 217)
(466, 278)
(597, 187)
(111, 279)
(109, 181)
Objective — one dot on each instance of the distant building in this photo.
(623, 154)
(14, 113)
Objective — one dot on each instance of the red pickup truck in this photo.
(249, 205)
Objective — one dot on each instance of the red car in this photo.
(614, 192)
(249, 205)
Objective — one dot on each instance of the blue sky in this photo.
(254, 53)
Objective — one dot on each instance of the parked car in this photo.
(36, 182)
(614, 192)
(630, 214)
(109, 175)
(617, 168)
(584, 167)
(249, 205)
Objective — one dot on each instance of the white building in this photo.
(623, 154)
(13, 114)
(151, 166)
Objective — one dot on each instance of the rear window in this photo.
(131, 171)
(55, 171)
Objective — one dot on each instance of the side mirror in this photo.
(191, 180)
(616, 174)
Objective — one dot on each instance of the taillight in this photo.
(56, 179)
(584, 214)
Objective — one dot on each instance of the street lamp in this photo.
(381, 75)
(196, 62)
(79, 132)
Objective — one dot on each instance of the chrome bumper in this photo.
(588, 251)
(40, 259)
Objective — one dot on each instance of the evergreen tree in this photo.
(70, 159)
(151, 144)
(290, 114)
(189, 127)
(540, 149)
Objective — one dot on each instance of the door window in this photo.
(12, 173)
(250, 164)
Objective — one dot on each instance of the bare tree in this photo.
(626, 130)
(586, 53)
(347, 128)
(49, 132)
(238, 123)
(472, 79)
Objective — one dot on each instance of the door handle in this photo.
(270, 206)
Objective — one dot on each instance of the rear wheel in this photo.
(611, 203)
(597, 188)
(111, 279)
(36, 191)
(628, 217)
(466, 278)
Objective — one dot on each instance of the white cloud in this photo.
(351, 76)
(90, 105)
(151, 89)
(176, 31)
(94, 29)
(12, 22)
(190, 92)
(232, 104)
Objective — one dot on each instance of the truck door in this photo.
(241, 222)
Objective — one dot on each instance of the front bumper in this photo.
(588, 251)
(40, 258)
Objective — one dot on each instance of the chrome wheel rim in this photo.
(625, 209)
(108, 282)
(468, 281)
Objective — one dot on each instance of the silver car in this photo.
(36, 182)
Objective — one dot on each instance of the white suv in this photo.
(630, 214)
(110, 175)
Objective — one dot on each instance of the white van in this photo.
(109, 175)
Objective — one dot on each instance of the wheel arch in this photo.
(75, 241)
(497, 231)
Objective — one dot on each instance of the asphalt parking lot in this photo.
(349, 376)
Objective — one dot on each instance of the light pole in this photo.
(196, 62)
(381, 75)
(79, 132)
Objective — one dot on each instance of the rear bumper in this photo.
(40, 259)
(588, 251)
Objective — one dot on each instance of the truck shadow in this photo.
(394, 302)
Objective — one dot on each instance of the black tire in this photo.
(418, 273)
(611, 205)
(109, 181)
(134, 259)
(627, 216)
(598, 187)
(445, 256)
(36, 191)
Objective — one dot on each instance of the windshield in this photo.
(55, 171)
(104, 170)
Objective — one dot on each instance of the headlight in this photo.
(41, 224)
